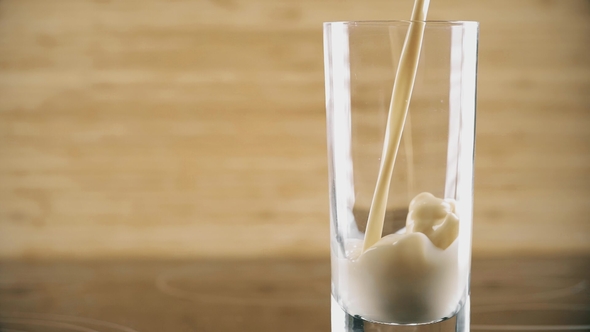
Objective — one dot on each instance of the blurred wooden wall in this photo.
(197, 128)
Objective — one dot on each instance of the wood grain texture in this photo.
(197, 128)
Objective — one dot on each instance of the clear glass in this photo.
(436, 155)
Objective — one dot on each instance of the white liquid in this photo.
(411, 277)
(398, 109)
(406, 278)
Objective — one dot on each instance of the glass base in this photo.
(343, 322)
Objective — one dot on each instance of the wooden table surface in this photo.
(264, 295)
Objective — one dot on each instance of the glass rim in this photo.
(430, 23)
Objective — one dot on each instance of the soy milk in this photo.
(410, 277)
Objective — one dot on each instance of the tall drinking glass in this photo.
(407, 281)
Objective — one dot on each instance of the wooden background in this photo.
(197, 128)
